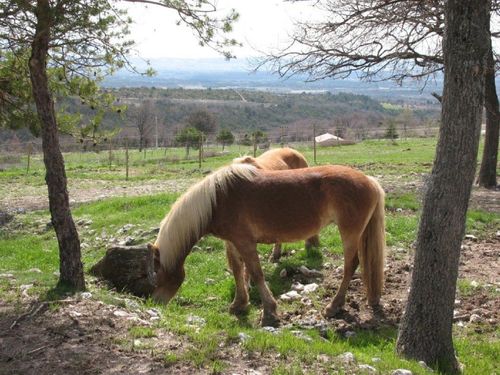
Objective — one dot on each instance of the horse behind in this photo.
(245, 206)
(277, 159)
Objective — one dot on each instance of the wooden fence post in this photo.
(126, 159)
(29, 157)
(110, 154)
(314, 142)
(200, 150)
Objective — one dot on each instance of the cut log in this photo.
(128, 268)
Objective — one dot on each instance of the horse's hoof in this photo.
(270, 320)
(331, 311)
(238, 309)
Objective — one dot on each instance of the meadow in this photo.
(195, 333)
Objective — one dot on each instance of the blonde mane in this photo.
(192, 212)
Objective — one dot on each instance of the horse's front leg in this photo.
(248, 252)
(351, 262)
(240, 302)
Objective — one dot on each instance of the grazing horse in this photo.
(245, 206)
(278, 159)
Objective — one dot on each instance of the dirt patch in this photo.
(84, 336)
(18, 197)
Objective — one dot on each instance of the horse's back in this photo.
(290, 205)
(281, 158)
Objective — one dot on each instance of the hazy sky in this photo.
(263, 24)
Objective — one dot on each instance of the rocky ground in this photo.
(82, 335)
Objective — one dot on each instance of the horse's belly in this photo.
(272, 234)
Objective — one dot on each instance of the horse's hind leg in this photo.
(311, 243)
(276, 254)
(351, 262)
(249, 254)
(240, 302)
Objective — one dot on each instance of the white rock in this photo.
(475, 318)
(401, 371)
(270, 329)
(323, 358)
(86, 295)
(298, 287)
(290, 296)
(36, 270)
(121, 314)
(153, 312)
(7, 275)
(25, 287)
(347, 357)
(367, 368)
(349, 334)
(283, 273)
(309, 273)
(242, 336)
(470, 237)
(125, 228)
(309, 288)
(195, 320)
(376, 359)
(75, 314)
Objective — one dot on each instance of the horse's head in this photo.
(247, 160)
(167, 282)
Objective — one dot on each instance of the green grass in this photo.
(209, 287)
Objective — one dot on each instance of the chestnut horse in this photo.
(278, 159)
(245, 206)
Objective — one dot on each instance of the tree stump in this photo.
(129, 268)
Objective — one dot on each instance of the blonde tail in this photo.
(372, 250)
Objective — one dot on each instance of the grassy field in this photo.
(199, 314)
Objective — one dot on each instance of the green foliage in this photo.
(189, 137)
(225, 137)
(391, 132)
(203, 121)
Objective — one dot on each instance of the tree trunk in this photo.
(426, 328)
(488, 171)
(71, 269)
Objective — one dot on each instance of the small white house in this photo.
(328, 139)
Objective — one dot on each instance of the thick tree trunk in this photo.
(488, 171)
(426, 328)
(71, 269)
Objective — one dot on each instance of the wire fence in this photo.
(128, 151)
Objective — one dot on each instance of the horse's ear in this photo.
(248, 160)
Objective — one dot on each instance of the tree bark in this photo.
(488, 171)
(426, 328)
(71, 269)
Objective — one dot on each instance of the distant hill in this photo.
(238, 74)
